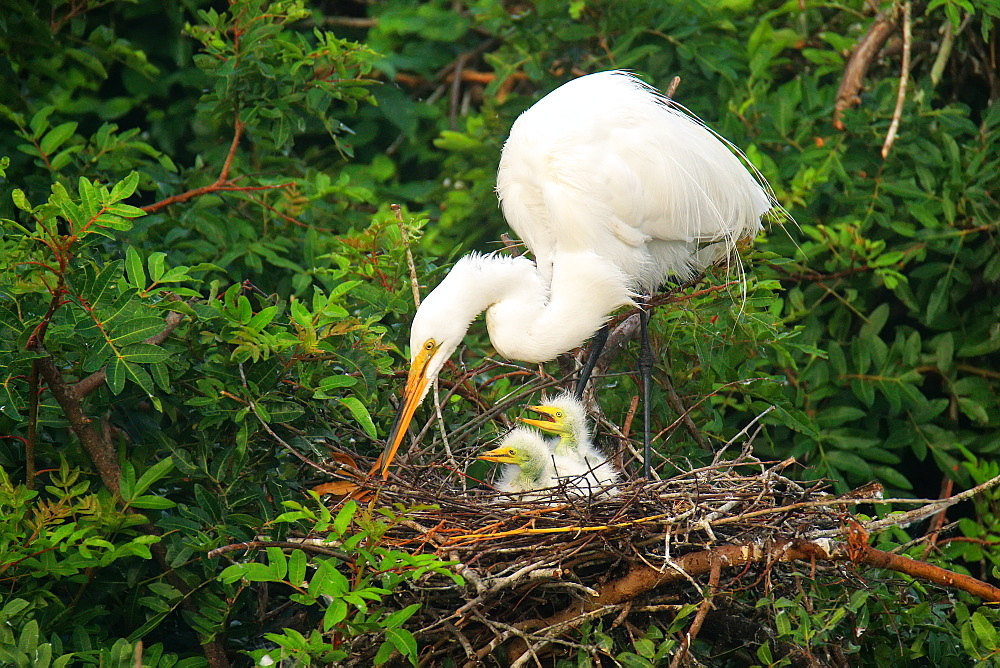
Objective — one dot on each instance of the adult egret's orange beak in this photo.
(413, 394)
(552, 423)
(501, 455)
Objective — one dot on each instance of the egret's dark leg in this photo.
(596, 346)
(646, 374)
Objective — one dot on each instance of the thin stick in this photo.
(904, 78)
(672, 88)
(414, 284)
(444, 431)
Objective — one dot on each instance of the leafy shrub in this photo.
(204, 285)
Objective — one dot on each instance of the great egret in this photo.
(574, 452)
(529, 463)
(613, 188)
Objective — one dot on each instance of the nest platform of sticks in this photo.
(535, 571)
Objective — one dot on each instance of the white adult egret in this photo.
(613, 188)
(574, 452)
(529, 463)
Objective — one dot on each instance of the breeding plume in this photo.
(529, 463)
(613, 188)
(574, 452)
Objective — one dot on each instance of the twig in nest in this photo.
(932, 508)
(444, 431)
(699, 619)
(305, 544)
(515, 248)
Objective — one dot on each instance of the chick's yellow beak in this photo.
(500, 455)
(551, 424)
(416, 387)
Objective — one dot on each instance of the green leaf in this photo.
(297, 567)
(40, 121)
(136, 330)
(399, 617)
(136, 272)
(14, 607)
(644, 647)
(457, 142)
(384, 653)
(974, 410)
(144, 353)
(90, 201)
(795, 419)
(335, 613)
(55, 137)
(29, 637)
(126, 211)
(278, 562)
(937, 304)
(985, 631)
(255, 572)
(116, 375)
(344, 517)
(404, 642)
(124, 188)
(153, 474)
(360, 414)
(155, 263)
(263, 318)
(838, 415)
(20, 201)
(332, 383)
(152, 502)
(64, 157)
(140, 377)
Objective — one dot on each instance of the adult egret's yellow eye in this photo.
(430, 344)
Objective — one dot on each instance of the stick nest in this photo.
(532, 569)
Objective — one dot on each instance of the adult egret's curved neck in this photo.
(535, 322)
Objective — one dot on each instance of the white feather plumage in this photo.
(605, 163)
(574, 453)
(535, 470)
(613, 188)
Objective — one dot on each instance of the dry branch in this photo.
(857, 66)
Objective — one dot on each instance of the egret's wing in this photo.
(604, 163)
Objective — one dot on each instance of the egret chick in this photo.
(574, 453)
(529, 463)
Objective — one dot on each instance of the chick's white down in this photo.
(574, 453)
(530, 466)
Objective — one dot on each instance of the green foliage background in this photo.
(870, 324)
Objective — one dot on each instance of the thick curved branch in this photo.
(643, 578)
(101, 453)
(857, 66)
